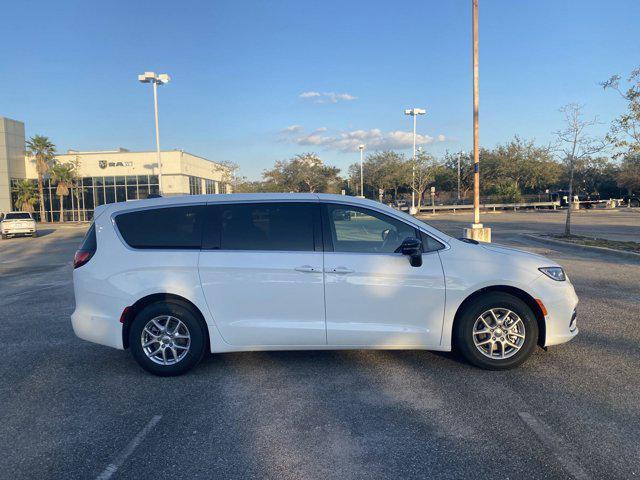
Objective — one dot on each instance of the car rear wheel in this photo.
(167, 339)
(496, 331)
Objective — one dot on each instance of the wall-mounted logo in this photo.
(104, 164)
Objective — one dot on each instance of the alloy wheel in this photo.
(499, 333)
(165, 340)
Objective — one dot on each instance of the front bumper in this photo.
(560, 300)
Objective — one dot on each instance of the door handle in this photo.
(340, 270)
(305, 269)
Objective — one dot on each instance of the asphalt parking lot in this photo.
(71, 409)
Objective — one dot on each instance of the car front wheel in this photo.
(167, 339)
(496, 331)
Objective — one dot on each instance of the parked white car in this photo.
(172, 278)
(18, 223)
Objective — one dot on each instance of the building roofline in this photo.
(124, 151)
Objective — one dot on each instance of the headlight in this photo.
(554, 273)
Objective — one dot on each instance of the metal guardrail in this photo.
(491, 206)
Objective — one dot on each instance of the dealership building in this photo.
(105, 176)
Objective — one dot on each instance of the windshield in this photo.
(18, 216)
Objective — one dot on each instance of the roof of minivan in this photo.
(253, 197)
(236, 197)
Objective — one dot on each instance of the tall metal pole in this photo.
(361, 175)
(155, 104)
(476, 126)
(413, 179)
(459, 176)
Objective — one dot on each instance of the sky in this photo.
(255, 81)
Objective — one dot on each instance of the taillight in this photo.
(81, 257)
(87, 248)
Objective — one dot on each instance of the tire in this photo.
(500, 303)
(191, 326)
(34, 235)
(634, 203)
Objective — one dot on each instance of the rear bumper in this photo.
(97, 329)
(19, 231)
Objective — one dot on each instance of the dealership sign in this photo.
(105, 164)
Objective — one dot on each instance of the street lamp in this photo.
(361, 148)
(476, 230)
(414, 112)
(161, 79)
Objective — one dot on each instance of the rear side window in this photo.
(166, 228)
(89, 241)
(267, 226)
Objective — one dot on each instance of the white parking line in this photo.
(554, 444)
(124, 454)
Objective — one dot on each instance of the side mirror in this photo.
(412, 247)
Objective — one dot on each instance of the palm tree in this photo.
(26, 196)
(41, 148)
(63, 174)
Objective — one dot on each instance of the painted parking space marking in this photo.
(128, 450)
(552, 442)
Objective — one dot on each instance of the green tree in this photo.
(527, 166)
(63, 175)
(26, 196)
(43, 151)
(625, 130)
(383, 171)
(466, 173)
(303, 173)
(629, 174)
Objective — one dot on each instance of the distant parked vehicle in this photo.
(587, 200)
(18, 223)
(401, 205)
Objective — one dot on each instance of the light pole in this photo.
(476, 230)
(361, 148)
(161, 79)
(414, 112)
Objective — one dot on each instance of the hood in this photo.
(539, 260)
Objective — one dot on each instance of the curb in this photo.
(589, 248)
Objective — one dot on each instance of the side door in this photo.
(373, 296)
(261, 273)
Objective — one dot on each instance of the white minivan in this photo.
(173, 278)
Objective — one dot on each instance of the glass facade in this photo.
(93, 191)
(210, 186)
(195, 185)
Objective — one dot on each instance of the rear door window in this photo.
(162, 228)
(263, 226)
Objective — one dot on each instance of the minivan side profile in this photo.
(174, 278)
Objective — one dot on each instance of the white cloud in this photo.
(327, 97)
(292, 129)
(374, 139)
(309, 94)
